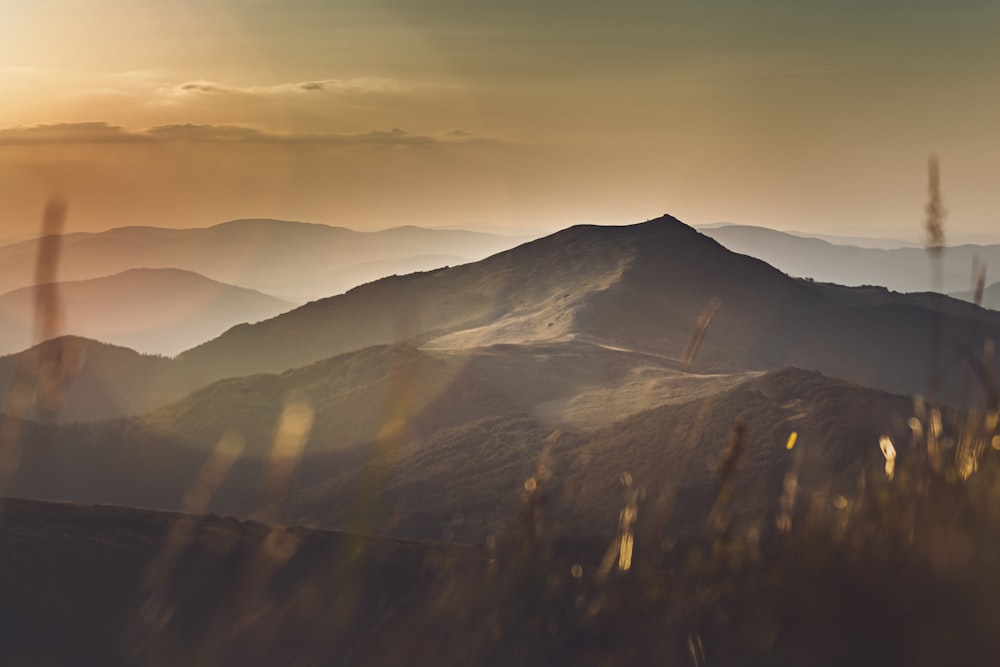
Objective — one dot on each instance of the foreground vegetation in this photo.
(904, 570)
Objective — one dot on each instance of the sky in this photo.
(508, 114)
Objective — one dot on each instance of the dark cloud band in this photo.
(86, 133)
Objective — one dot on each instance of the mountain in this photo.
(96, 380)
(432, 449)
(453, 473)
(640, 288)
(344, 278)
(990, 296)
(532, 403)
(876, 242)
(900, 269)
(515, 392)
(293, 260)
(670, 452)
(153, 311)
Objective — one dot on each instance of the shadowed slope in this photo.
(107, 380)
(77, 589)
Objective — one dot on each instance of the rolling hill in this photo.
(446, 463)
(641, 288)
(904, 269)
(153, 311)
(541, 390)
(990, 296)
(292, 260)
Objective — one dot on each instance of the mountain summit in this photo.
(639, 287)
(658, 287)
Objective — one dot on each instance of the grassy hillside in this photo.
(117, 586)
(446, 463)
(887, 569)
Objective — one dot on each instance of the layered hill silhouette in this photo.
(903, 269)
(116, 585)
(551, 389)
(990, 296)
(875, 242)
(423, 451)
(641, 288)
(153, 311)
(292, 260)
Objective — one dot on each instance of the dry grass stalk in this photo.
(700, 328)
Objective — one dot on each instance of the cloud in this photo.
(366, 85)
(204, 87)
(99, 133)
(201, 133)
(67, 133)
(236, 133)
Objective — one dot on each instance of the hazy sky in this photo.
(814, 116)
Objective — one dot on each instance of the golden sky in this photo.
(813, 116)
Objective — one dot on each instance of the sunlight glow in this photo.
(792, 438)
(889, 452)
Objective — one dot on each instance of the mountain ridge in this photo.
(904, 269)
(642, 287)
(153, 311)
(298, 261)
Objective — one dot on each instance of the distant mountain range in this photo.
(520, 406)
(901, 269)
(640, 288)
(990, 297)
(154, 311)
(876, 242)
(437, 392)
(292, 260)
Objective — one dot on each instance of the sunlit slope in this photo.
(439, 402)
(672, 453)
(153, 311)
(537, 284)
(574, 386)
(640, 287)
(453, 466)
